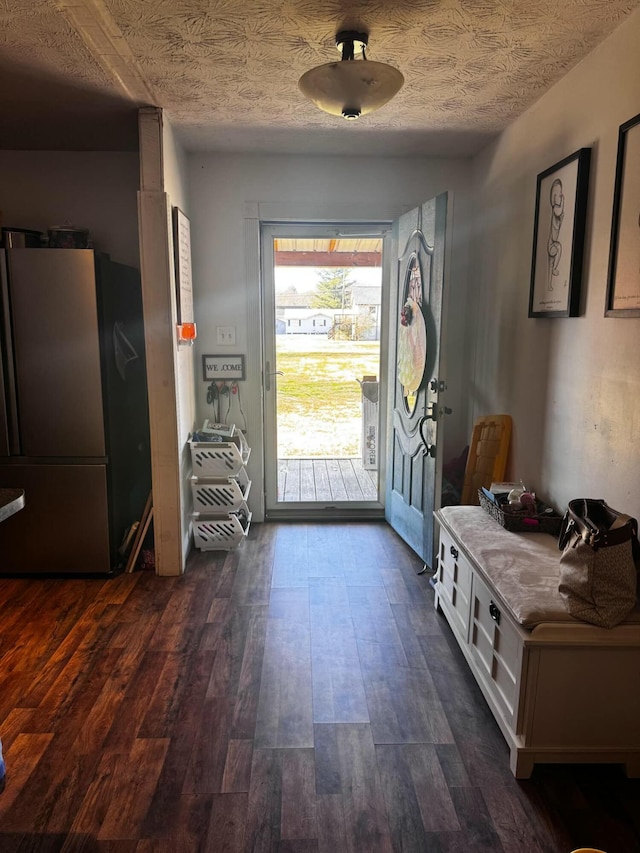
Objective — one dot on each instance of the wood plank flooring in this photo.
(326, 480)
(298, 695)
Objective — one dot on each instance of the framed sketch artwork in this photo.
(182, 261)
(558, 237)
(623, 287)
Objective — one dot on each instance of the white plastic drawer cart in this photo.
(220, 489)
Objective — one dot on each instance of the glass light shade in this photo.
(351, 88)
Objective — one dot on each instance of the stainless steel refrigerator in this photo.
(74, 426)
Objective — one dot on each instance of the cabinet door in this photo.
(454, 584)
(496, 646)
(57, 352)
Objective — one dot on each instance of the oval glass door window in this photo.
(412, 336)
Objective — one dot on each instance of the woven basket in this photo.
(518, 522)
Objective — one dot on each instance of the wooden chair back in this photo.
(487, 459)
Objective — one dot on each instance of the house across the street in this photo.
(307, 321)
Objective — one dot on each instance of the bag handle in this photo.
(622, 528)
(566, 528)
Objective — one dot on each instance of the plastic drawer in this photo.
(220, 495)
(216, 533)
(219, 459)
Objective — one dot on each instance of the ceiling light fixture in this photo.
(351, 88)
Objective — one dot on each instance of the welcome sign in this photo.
(222, 367)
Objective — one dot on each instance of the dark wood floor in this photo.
(297, 695)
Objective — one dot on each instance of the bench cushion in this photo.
(523, 568)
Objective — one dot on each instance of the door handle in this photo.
(429, 449)
(268, 374)
(435, 412)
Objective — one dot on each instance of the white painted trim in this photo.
(383, 396)
(98, 29)
(312, 212)
(269, 384)
(150, 137)
(160, 317)
(158, 297)
(254, 405)
(265, 295)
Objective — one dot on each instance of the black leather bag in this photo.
(598, 565)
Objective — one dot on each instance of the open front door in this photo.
(414, 463)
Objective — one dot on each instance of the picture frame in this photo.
(558, 237)
(623, 282)
(222, 367)
(182, 263)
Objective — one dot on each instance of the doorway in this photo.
(324, 308)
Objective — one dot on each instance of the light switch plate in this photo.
(225, 335)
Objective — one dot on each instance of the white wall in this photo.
(176, 186)
(175, 167)
(94, 190)
(572, 385)
(306, 189)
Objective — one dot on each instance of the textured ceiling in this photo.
(72, 72)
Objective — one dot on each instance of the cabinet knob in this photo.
(454, 552)
(494, 613)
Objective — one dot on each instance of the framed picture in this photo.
(558, 237)
(222, 367)
(623, 286)
(182, 261)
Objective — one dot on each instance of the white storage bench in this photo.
(560, 690)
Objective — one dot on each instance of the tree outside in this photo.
(333, 289)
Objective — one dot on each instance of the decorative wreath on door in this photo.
(412, 334)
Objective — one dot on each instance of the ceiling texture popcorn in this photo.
(226, 71)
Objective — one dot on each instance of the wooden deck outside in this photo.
(325, 480)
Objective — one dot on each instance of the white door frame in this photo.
(269, 231)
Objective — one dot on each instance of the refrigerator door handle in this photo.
(9, 446)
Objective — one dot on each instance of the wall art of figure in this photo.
(554, 246)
